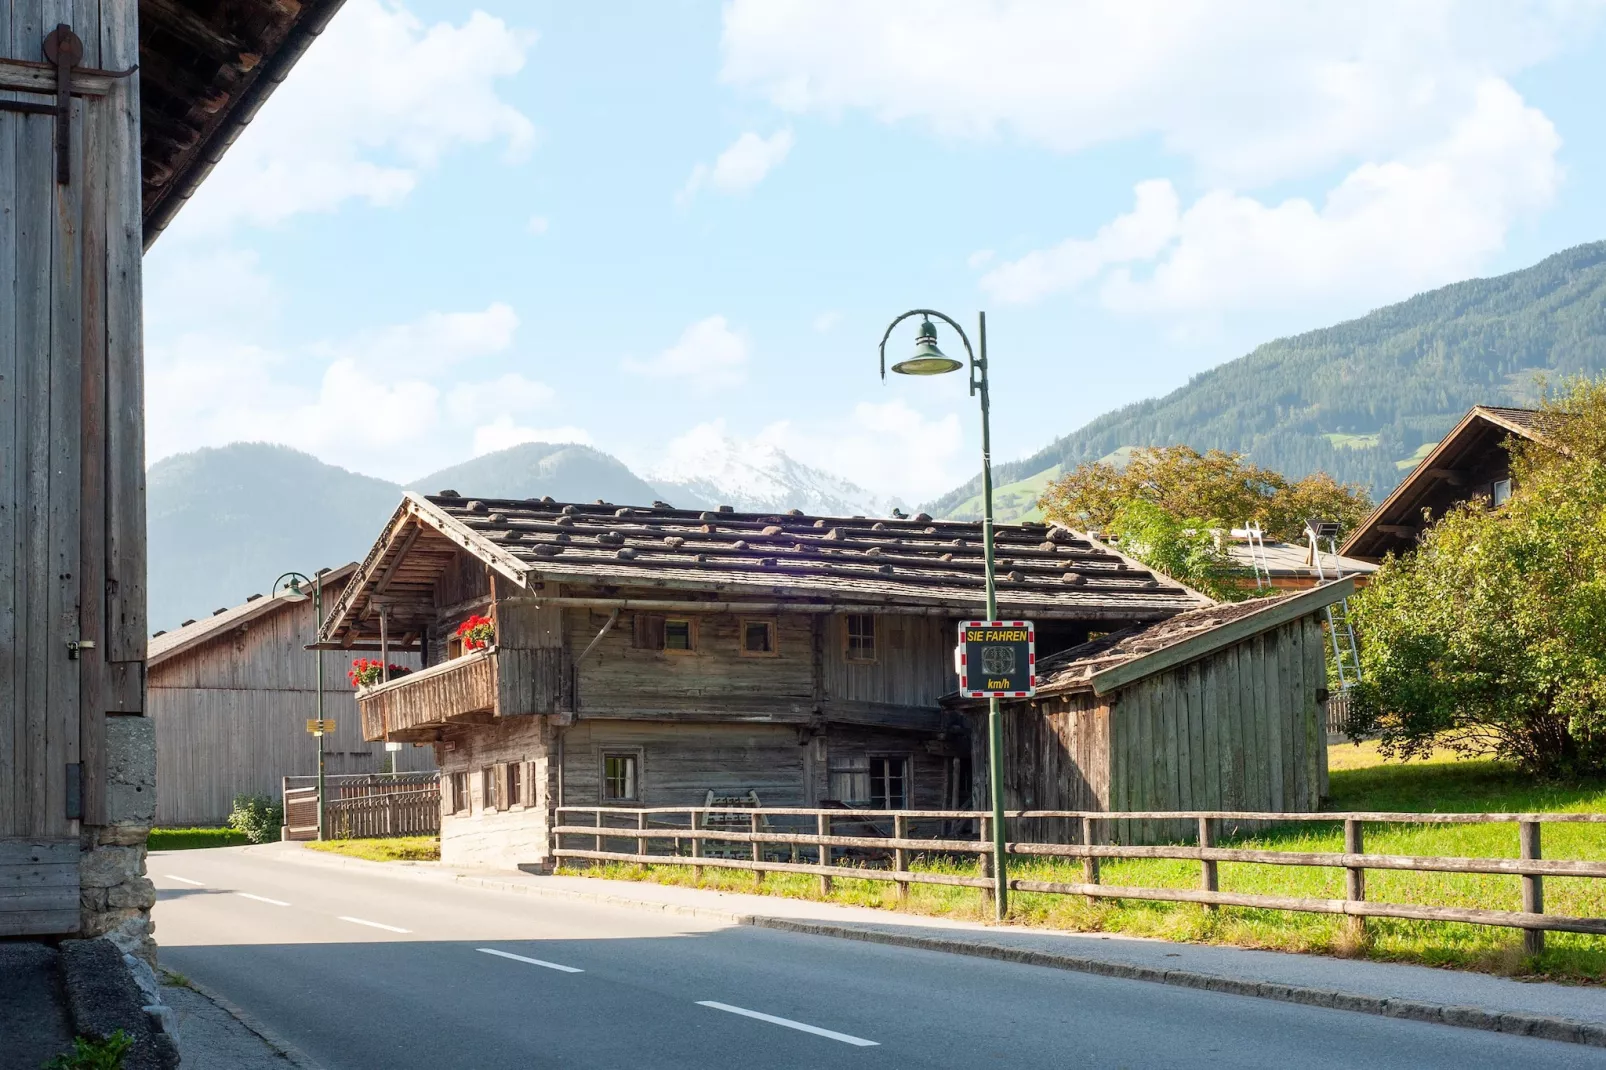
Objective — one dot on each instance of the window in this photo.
(758, 638)
(679, 636)
(889, 783)
(458, 802)
(850, 779)
(488, 793)
(1502, 491)
(861, 637)
(620, 773)
(515, 784)
(648, 631)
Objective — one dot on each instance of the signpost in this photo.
(320, 728)
(997, 659)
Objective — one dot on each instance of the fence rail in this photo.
(880, 847)
(363, 805)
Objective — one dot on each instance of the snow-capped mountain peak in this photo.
(708, 467)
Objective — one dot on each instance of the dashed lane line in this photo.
(263, 899)
(184, 880)
(533, 962)
(374, 924)
(802, 1027)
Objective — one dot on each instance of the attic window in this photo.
(860, 637)
(758, 639)
(1500, 493)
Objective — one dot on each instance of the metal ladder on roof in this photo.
(1257, 554)
(1346, 655)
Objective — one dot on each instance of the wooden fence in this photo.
(364, 806)
(788, 840)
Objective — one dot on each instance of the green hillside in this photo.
(1360, 400)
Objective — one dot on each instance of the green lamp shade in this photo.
(927, 359)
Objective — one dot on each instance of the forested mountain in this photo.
(1361, 399)
(566, 472)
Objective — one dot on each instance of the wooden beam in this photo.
(1456, 477)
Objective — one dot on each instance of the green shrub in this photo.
(258, 816)
(89, 1054)
(188, 839)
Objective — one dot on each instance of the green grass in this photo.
(1342, 441)
(1013, 502)
(395, 849)
(1416, 458)
(1359, 782)
(190, 839)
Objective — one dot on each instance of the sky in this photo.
(645, 226)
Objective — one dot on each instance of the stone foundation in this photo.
(115, 896)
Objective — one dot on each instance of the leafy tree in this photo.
(1491, 635)
(1181, 547)
(1215, 489)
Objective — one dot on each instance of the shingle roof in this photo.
(836, 559)
(167, 644)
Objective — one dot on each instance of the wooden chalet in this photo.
(111, 113)
(1472, 461)
(659, 656)
(1216, 708)
(230, 696)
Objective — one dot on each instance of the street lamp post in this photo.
(292, 590)
(930, 360)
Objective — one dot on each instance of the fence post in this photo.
(1354, 876)
(756, 825)
(390, 813)
(900, 857)
(597, 846)
(1533, 887)
(1207, 869)
(696, 844)
(822, 826)
(641, 823)
(1090, 862)
(985, 862)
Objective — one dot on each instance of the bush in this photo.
(258, 816)
(90, 1054)
(189, 839)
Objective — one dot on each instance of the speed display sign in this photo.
(997, 658)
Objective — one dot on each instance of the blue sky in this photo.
(656, 226)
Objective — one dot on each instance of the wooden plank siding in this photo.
(417, 706)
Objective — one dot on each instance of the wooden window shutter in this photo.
(502, 800)
(649, 631)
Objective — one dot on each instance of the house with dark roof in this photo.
(1472, 461)
(230, 695)
(651, 656)
(1217, 708)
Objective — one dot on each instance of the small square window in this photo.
(861, 637)
(459, 802)
(889, 783)
(1501, 491)
(679, 635)
(620, 777)
(758, 638)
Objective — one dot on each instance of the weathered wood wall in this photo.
(72, 472)
(231, 715)
(914, 663)
(471, 835)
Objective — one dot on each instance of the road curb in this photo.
(1545, 1027)
(281, 1047)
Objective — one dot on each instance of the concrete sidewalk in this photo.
(1576, 1014)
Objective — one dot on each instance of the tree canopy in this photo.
(1491, 635)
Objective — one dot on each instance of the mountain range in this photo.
(1364, 400)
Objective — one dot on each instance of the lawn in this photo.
(190, 839)
(394, 849)
(1360, 781)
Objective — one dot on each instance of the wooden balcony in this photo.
(410, 709)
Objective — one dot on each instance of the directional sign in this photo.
(997, 658)
(320, 728)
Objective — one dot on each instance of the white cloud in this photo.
(537, 225)
(827, 320)
(378, 99)
(394, 401)
(887, 447)
(740, 167)
(502, 433)
(1388, 228)
(979, 259)
(1251, 91)
(710, 353)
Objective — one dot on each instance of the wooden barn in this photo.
(230, 697)
(1219, 708)
(656, 656)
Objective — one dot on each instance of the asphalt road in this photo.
(364, 971)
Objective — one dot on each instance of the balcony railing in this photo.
(412, 708)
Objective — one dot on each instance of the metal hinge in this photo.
(63, 49)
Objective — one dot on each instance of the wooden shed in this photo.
(1219, 708)
(230, 696)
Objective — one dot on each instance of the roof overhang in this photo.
(178, 641)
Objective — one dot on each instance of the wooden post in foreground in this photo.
(1090, 863)
(1354, 876)
(756, 825)
(900, 857)
(696, 845)
(985, 862)
(1533, 887)
(641, 841)
(823, 827)
(1207, 869)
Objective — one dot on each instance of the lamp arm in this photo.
(924, 312)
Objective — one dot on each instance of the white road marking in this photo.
(532, 962)
(186, 880)
(374, 924)
(858, 1042)
(264, 899)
